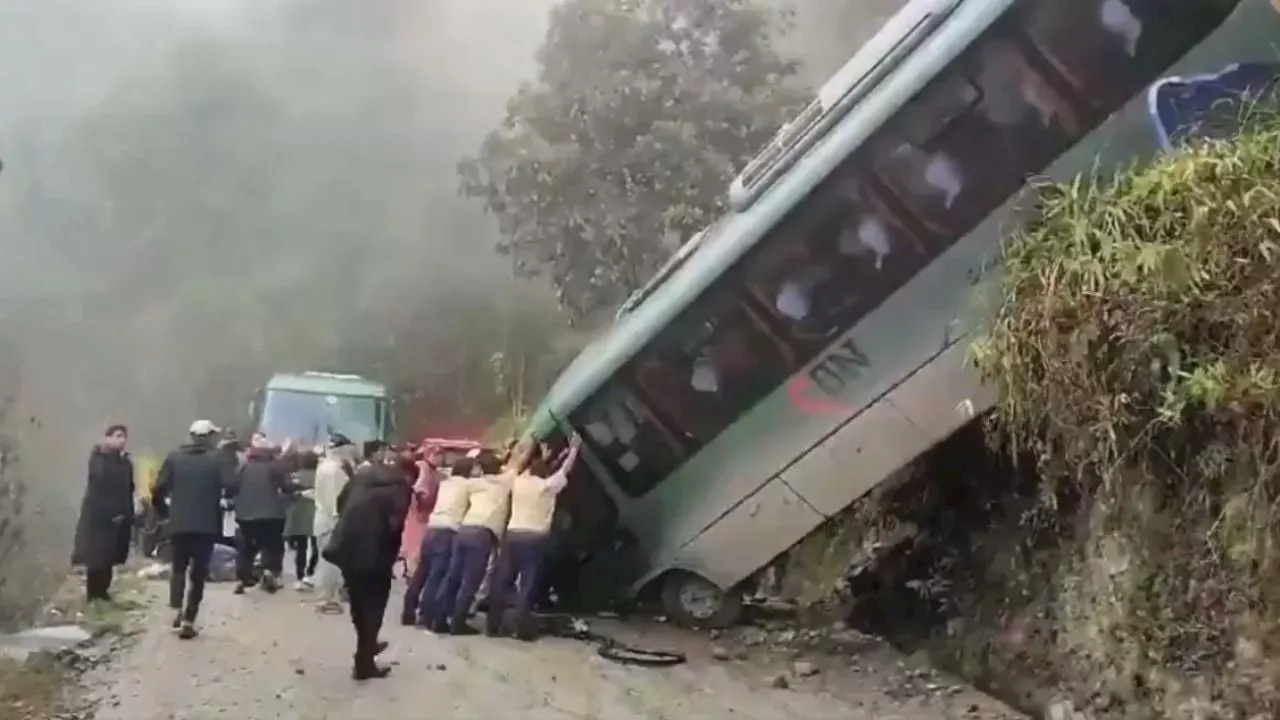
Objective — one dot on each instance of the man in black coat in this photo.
(262, 492)
(106, 514)
(189, 490)
(365, 545)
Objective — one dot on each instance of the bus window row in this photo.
(1038, 80)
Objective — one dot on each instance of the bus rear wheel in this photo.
(693, 601)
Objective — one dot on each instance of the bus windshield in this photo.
(310, 418)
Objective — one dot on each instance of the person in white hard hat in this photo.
(189, 489)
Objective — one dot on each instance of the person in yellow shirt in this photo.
(523, 548)
(453, 498)
(488, 500)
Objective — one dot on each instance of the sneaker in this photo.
(187, 631)
(240, 588)
(329, 607)
(269, 582)
(177, 621)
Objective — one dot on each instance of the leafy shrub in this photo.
(1135, 346)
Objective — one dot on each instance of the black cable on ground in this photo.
(606, 647)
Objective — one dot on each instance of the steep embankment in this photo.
(1129, 560)
(37, 508)
(15, 599)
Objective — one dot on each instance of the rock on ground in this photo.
(266, 657)
(21, 645)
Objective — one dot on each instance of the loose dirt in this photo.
(266, 657)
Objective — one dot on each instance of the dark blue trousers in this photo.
(422, 599)
(467, 565)
(519, 567)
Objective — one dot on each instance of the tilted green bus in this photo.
(812, 342)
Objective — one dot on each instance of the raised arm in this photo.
(520, 455)
(560, 478)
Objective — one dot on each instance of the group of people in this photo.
(349, 514)
(490, 525)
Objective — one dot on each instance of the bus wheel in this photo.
(692, 601)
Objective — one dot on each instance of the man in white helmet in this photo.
(189, 489)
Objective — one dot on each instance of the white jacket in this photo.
(330, 479)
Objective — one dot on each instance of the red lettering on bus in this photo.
(800, 390)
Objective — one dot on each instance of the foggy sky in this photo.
(81, 358)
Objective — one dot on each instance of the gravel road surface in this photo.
(264, 657)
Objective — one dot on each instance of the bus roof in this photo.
(731, 237)
(327, 384)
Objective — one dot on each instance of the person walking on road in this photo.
(422, 601)
(524, 546)
(262, 501)
(105, 527)
(365, 546)
(299, 521)
(332, 475)
(189, 490)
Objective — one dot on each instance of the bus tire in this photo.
(693, 601)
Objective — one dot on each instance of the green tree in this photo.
(626, 142)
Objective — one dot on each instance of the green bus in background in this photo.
(812, 342)
(309, 407)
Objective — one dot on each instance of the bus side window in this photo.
(1109, 50)
(637, 451)
(837, 256)
(711, 365)
(973, 136)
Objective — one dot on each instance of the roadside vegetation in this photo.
(1107, 539)
(42, 685)
(1136, 350)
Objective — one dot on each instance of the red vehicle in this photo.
(450, 449)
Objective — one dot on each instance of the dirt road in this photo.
(266, 657)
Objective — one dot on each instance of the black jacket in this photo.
(262, 487)
(371, 512)
(189, 489)
(106, 511)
